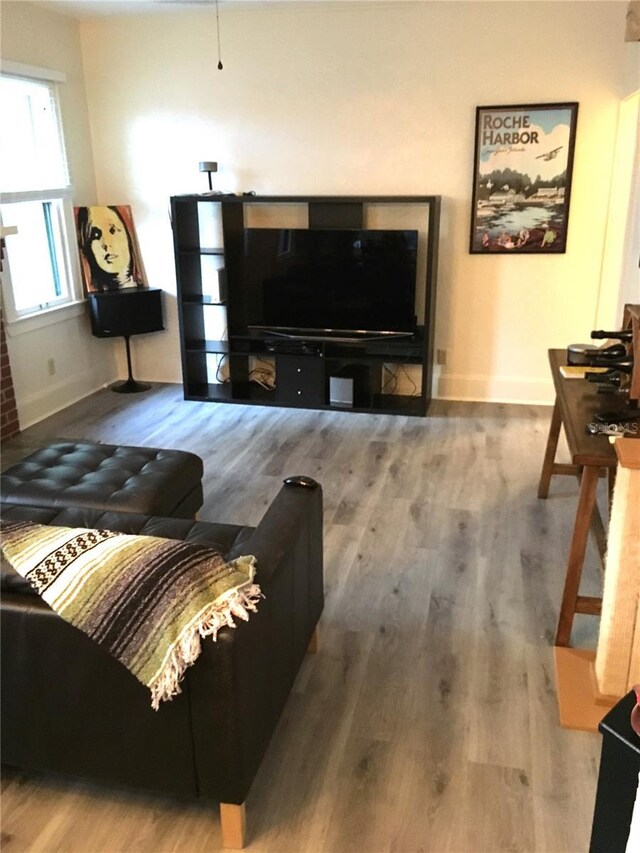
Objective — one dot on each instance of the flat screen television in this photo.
(329, 283)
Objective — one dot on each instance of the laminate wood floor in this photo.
(428, 719)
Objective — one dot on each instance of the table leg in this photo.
(550, 452)
(599, 534)
(586, 504)
(612, 484)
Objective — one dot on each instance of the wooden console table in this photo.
(577, 402)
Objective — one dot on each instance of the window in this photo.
(40, 264)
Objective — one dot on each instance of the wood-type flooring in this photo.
(428, 720)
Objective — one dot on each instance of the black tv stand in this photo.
(303, 364)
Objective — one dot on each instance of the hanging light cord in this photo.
(218, 31)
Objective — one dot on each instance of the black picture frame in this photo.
(523, 167)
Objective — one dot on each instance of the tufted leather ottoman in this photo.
(104, 476)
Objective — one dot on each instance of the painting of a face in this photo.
(109, 243)
(109, 252)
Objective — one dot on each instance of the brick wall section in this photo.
(9, 425)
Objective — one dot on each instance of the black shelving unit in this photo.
(302, 375)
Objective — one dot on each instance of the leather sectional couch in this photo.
(68, 707)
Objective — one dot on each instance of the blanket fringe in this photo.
(185, 652)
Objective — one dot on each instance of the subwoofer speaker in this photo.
(120, 313)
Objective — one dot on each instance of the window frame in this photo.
(72, 303)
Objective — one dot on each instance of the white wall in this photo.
(622, 240)
(620, 277)
(359, 98)
(631, 82)
(34, 36)
(369, 98)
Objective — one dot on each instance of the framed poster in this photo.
(109, 252)
(522, 178)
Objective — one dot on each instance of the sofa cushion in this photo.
(147, 600)
(104, 476)
(229, 539)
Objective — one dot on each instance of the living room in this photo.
(368, 98)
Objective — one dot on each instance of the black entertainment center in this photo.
(332, 308)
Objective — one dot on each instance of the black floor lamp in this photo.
(121, 314)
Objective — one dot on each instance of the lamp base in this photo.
(130, 386)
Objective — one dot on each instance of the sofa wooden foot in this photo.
(312, 648)
(234, 825)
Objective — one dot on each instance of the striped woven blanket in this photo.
(146, 600)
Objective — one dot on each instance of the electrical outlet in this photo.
(441, 356)
(51, 366)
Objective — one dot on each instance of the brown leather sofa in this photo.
(68, 707)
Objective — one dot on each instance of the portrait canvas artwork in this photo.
(109, 251)
(522, 178)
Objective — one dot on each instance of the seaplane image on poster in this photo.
(522, 178)
(550, 154)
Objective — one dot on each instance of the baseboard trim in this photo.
(458, 398)
(37, 407)
(494, 389)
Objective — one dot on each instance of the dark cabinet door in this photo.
(300, 380)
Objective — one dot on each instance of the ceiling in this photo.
(86, 9)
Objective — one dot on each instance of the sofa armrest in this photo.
(294, 509)
(241, 683)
